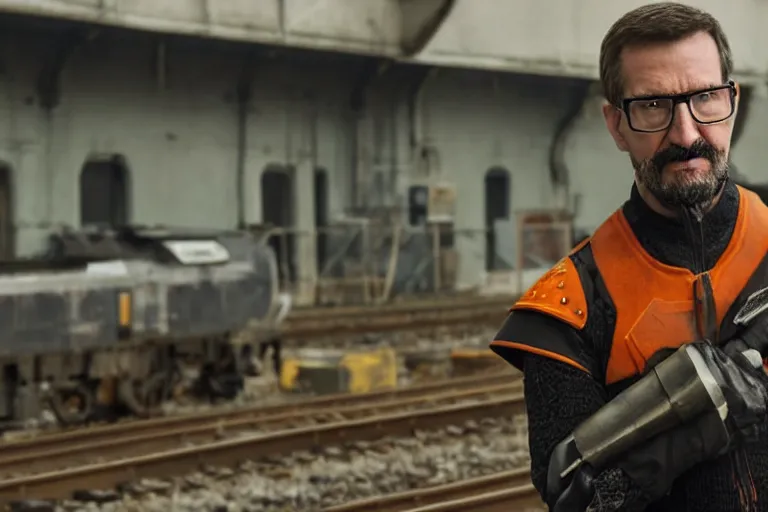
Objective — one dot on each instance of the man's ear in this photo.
(737, 86)
(612, 117)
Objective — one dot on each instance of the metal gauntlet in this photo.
(675, 391)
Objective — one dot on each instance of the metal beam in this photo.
(421, 19)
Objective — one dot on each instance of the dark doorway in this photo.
(496, 207)
(104, 192)
(277, 211)
(321, 216)
(418, 205)
(6, 213)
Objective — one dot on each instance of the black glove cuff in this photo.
(579, 494)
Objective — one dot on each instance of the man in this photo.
(666, 269)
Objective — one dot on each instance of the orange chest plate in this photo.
(655, 302)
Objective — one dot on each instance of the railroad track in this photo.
(522, 498)
(55, 465)
(50, 450)
(510, 490)
(411, 316)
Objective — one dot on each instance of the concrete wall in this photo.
(479, 121)
(372, 26)
(176, 127)
(530, 36)
(563, 38)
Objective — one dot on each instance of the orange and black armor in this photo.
(641, 284)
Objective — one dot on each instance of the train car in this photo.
(116, 320)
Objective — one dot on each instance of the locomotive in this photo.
(109, 321)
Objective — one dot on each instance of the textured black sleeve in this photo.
(558, 398)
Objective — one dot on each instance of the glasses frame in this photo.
(677, 99)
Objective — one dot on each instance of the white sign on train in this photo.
(197, 252)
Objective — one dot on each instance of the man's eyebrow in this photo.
(655, 94)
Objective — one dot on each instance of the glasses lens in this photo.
(712, 106)
(650, 114)
(655, 114)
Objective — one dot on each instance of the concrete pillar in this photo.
(29, 214)
(304, 222)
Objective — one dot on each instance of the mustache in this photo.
(675, 153)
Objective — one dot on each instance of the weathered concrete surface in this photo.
(372, 26)
(176, 126)
(532, 36)
(563, 38)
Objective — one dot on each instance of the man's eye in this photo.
(650, 105)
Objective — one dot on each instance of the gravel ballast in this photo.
(305, 481)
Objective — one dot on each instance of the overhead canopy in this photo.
(531, 36)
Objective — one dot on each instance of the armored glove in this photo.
(654, 466)
(579, 493)
(677, 435)
(752, 344)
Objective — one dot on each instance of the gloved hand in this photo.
(657, 463)
(751, 344)
(579, 493)
(654, 465)
(744, 390)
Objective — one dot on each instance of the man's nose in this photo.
(684, 130)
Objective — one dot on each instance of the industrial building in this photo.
(311, 113)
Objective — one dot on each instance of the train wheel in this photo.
(72, 404)
(144, 397)
(160, 388)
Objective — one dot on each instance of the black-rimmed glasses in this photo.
(656, 113)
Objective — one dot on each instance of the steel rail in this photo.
(197, 430)
(230, 452)
(462, 489)
(415, 316)
(521, 498)
(301, 314)
(41, 443)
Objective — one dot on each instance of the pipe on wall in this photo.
(244, 94)
(371, 71)
(161, 64)
(578, 92)
(416, 115)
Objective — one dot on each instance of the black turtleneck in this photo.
(667, 240)
(555, 409)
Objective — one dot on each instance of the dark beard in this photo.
(678, 193)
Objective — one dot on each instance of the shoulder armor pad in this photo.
(559, 294)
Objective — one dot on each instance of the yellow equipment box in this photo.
(329, 371)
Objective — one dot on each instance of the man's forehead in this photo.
(679, 67)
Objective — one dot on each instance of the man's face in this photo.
(684, 164)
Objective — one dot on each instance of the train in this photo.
(113, 321)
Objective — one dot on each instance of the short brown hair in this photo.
(663, 22)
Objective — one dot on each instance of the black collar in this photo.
(667, 240)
